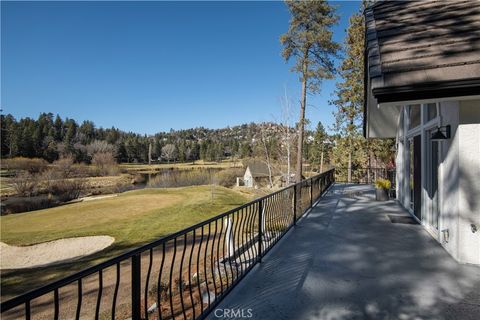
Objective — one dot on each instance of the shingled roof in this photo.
(422, 50)
(258, 169)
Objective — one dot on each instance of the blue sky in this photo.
(151, 66)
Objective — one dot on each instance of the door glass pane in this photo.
(434, 186)
(414, 115)
(411, 173)
(417, 174)
(432, 165)
(431, 111)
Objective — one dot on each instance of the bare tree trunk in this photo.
(150, 153)
(267, 157)
(298, 175)
(287, 125)
(288, 156)
(350, 148)
(321, 160)
(349, 179)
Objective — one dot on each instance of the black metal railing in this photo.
(364, 175)
(183, 275)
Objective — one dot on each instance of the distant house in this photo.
(256, 174)
(422, 87)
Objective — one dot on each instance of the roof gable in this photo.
(258, 169)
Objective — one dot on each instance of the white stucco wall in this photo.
(469, 182)
(448, 179)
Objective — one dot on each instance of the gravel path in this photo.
(52, 252)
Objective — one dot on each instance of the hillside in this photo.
(51, 137)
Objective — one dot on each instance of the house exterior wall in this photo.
(458, 177)
(448, 180)
(469, 181)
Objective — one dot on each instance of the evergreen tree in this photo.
(321, 147)
(245, 150)
(349, 91)
(350, 105)
(8, 129)
(121, 152)
(70, 134)
(181, 150)
(87, 129)
(58, 125)
(50, 151)
(309, 41)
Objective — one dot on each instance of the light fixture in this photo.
(440, 135)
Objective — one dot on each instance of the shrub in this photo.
(25, 183)
(382, 184)
(105, 163)
(32, 165)
(83, 170)
(48, 177)
(99, 146)
(181, 178)
(64, 166)
(66, 189)
(164, 291)
(139, 179)
(23, 204)
(228, 177)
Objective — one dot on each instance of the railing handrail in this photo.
(35, 293)
(372, 168)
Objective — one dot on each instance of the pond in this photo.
(173, 178)
(162, 178)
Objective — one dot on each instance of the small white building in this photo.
(256, 174)
(423, 89)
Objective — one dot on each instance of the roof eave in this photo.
(431, 90)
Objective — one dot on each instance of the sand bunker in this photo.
(52, 252)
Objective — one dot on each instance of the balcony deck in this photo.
(347, 260)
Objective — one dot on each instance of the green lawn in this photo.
(132, 218)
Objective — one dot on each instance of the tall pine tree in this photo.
(309, 41)
(350, 104)
(349, 91)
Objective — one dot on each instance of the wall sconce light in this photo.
(442, 133)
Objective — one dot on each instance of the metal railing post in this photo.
(260, 229)
(136, 287)
(311, 193)
(294, 204)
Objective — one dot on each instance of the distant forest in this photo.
(51, 137)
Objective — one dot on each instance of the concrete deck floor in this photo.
(347, 260)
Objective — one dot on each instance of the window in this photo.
(414, 116)
(431, 111)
